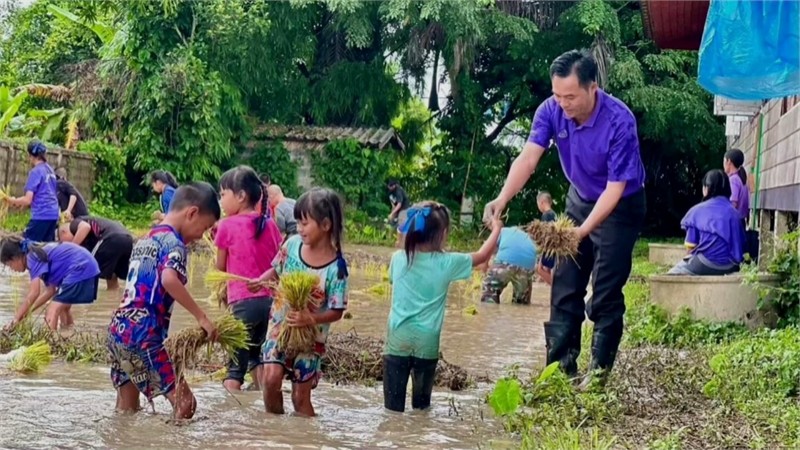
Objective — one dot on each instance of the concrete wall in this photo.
(14, 167)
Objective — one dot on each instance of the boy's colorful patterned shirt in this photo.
(146, 307)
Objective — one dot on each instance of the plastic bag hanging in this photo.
(751, 49)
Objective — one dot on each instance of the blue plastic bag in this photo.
(751, 49)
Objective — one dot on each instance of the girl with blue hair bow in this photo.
(421, 275)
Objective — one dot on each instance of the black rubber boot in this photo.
(563, 341)
(605, 343)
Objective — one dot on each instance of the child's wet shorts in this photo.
(146, 365)
(41, 230)
(79, 293)
(300, 369)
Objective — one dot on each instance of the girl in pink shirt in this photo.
(248, 242)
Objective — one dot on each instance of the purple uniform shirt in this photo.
(42, 182)
(740, 195)
(714, 229)
(67, 264)
(605, 148)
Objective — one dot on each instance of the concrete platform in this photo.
(666, 254)
(715, 298)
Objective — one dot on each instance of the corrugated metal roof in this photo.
(317, 137)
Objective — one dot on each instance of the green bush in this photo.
(274, 159)
(357, 173)
(110, 183)
(784, 297)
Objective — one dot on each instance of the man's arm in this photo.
(602, 209)
(521, 170)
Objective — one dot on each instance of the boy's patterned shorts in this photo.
(497, 278)
(146, 365)
(300, 369)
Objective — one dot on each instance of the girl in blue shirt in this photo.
(163, 184)
(420, 276)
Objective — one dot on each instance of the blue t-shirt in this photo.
(42, 182)
(166, 198)
(419, 294)
(66, 264)
(514, 247)
(146, 306)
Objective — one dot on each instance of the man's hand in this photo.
(494, 209)
(300, 318)
(209, 328)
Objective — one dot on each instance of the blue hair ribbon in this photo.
(341, 265)
(38, 149)
(416, 216)
(24, 245)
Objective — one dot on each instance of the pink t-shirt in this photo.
(247, 256)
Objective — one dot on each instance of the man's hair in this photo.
(197, 193)
(61, 173)
(579, 62)
(391, 182)
(544, 196)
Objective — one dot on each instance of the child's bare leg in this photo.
(272, 379)
(128, 398)
(112, 283)
(66, 317)
(53, 314)
(183, 402)
(256, 375)
(301, 398)
(232, 385)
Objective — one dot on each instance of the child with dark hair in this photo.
(420, 276)
(40, 195)
(156, 279)
(67, 271)
(108, 241)
(733, 164)
(714, 233)
(317, 249)
(247, 242)
(544, 201)
(164, 184)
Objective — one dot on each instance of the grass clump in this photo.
(184, 346)
(31, 359)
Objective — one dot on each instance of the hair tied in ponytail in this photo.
(341, 265)
(25, 245)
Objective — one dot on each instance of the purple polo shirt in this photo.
(740, 194)
(42, 182)
(67, 264)
(605, 148)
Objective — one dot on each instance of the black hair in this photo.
(320, 204)
(391, 182)
(717, 184)
(14, 247)
(61, 173)
(736, 157)
(197, 193)
(265, 178)
(430, 230)
(164, 177)
(579, 62)
(245, 179)
(37, 149)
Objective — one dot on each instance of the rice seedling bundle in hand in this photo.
(183, 346)
(295, 292)
(32, 359)
(555, 239)
(3, 203)
(214, 277)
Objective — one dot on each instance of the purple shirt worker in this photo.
(598, 146)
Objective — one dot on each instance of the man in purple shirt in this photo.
(599, 150)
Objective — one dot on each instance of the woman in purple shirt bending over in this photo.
(714, 233)
(40, 195)
(67, 271)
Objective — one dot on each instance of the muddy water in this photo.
(71, 405)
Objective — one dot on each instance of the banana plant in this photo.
(9, 106)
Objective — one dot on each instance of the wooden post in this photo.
(781, 223)
(766, 238)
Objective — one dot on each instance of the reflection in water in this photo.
(71, 405)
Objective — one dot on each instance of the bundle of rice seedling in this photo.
(555, 239)
(3, 203)
(31, 359)
(184, 345)
(295, 293)
(219, 295)
(214, 277)
(63, 218)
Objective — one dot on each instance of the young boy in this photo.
(156, 279)
(545, 267)
(514, 263)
